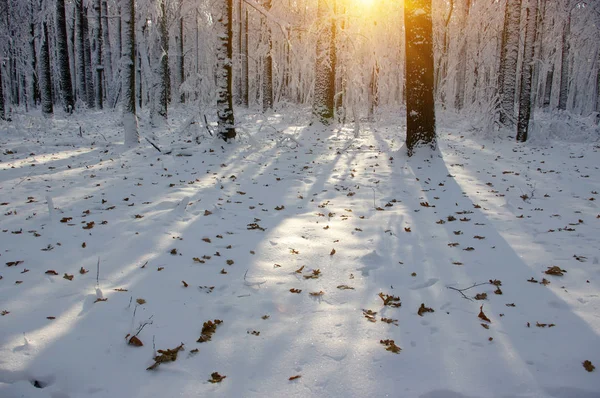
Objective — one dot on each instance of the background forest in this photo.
(73, 54)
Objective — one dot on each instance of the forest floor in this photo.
(330, 264)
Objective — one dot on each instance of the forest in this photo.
(299, 198)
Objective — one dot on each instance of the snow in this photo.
(521, 208)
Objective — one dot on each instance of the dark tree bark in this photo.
(46, 74)
(35, 86)
(267, 81)
(2, 110)
(509, 53)
(132, 137)
(165, 73)
(224, 76)
(66, 85)
(323, 104)
(106, 47)
(548, 87)
(90, 94)
(420, 104)
(527, 71)
(181, 59)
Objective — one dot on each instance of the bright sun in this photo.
(364, 3)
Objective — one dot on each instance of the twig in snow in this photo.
(207, 126)
(98, 273)
(154, 145)
(467, 288)
(143, 325)
(246, 283)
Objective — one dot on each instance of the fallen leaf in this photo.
(588, 366)
(166, 356)
(184, 284)
(14, 263)
(83, 271)
(481, 296)
(391, 346)
(51, 272)
(215, 377)
(554, 270)
(332, 252)
(134, 341)
(294, 377)
(140, 301)
(68, 277)
(391, 301)
(345, 287)
(297, 291)
(423, 309)
(208, 329)
(482, 316)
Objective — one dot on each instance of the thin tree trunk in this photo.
(2, 109)
(132, 137)
(224, 75)
(527, 71)
(106, 46)
(180, 55)
(98, 66)
(80, 52)
(548, 87)
(35, 86)
(324, 91)
(461, 72)
(46, 74)
(509, 53)
(63, 58)
(564, 69)
(420, 104)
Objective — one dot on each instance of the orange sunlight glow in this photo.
(364, 3)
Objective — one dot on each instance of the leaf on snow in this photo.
(554, 270)
(391, 301)
(166, 356)
(482, 316)
(294, 377)
(294, 290)
(51, 272)
(391, 346)
(588, 366)
(68, 277)
(215, 377)
(423, 309)
(208, 329)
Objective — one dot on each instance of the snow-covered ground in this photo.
(110, 243)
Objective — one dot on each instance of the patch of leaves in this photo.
(208, 329)
(422, 309)
(390, 301)
(370, 315)
(169, 355)
(390, 346)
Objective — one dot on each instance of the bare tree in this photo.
(509, 53)
(64, 68)
(323, 104)
(224, 75)
(132, 137)
(527, 71)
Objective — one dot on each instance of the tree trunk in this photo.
(224, 77)
(63, 58)
(267, 80)
(80, 52)
(132, 137)
(420, 104)
(527, 71)
(509, 53)
(181, 58)
(107, 48)
(548, 87)
(46, 74)
(90, 94)
(240, 39)
(119, 36)
(245, 80)
(324, 91)
(98, 66)
(2, 110)
(165, 73)
(35, 86)
(563, 93)
(461, 71)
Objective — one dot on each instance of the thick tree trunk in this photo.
(509, 53)
(64, 68)
(80, 53)
(563, 93)
(165, 73)
(461, 69)
(245, 80)
(267, 80)
(106, 46)
(527, 71)
(420, 104)
(224, 76)
(548, 87)
(46, 74)
(90, 94)
(35, 86)
(132, 137)
(324, 91)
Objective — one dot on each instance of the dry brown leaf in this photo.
(68, 277)
(140, 301)
(14, 263)
(345, 287)
(390, 321)
(215, 377)
(588, 366)
(166, 356)
(390, 301)
(332, 252)
(184, 284)
(89, 225)
(83, 271)
(294, 377)
(294, 290)
(482, 316)
(134, 341)
(423, 309)
(554, 270)
(51, 272)
(208, 329)
(391, 346)
(480, 296)
(207, 240)
(317, 294)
